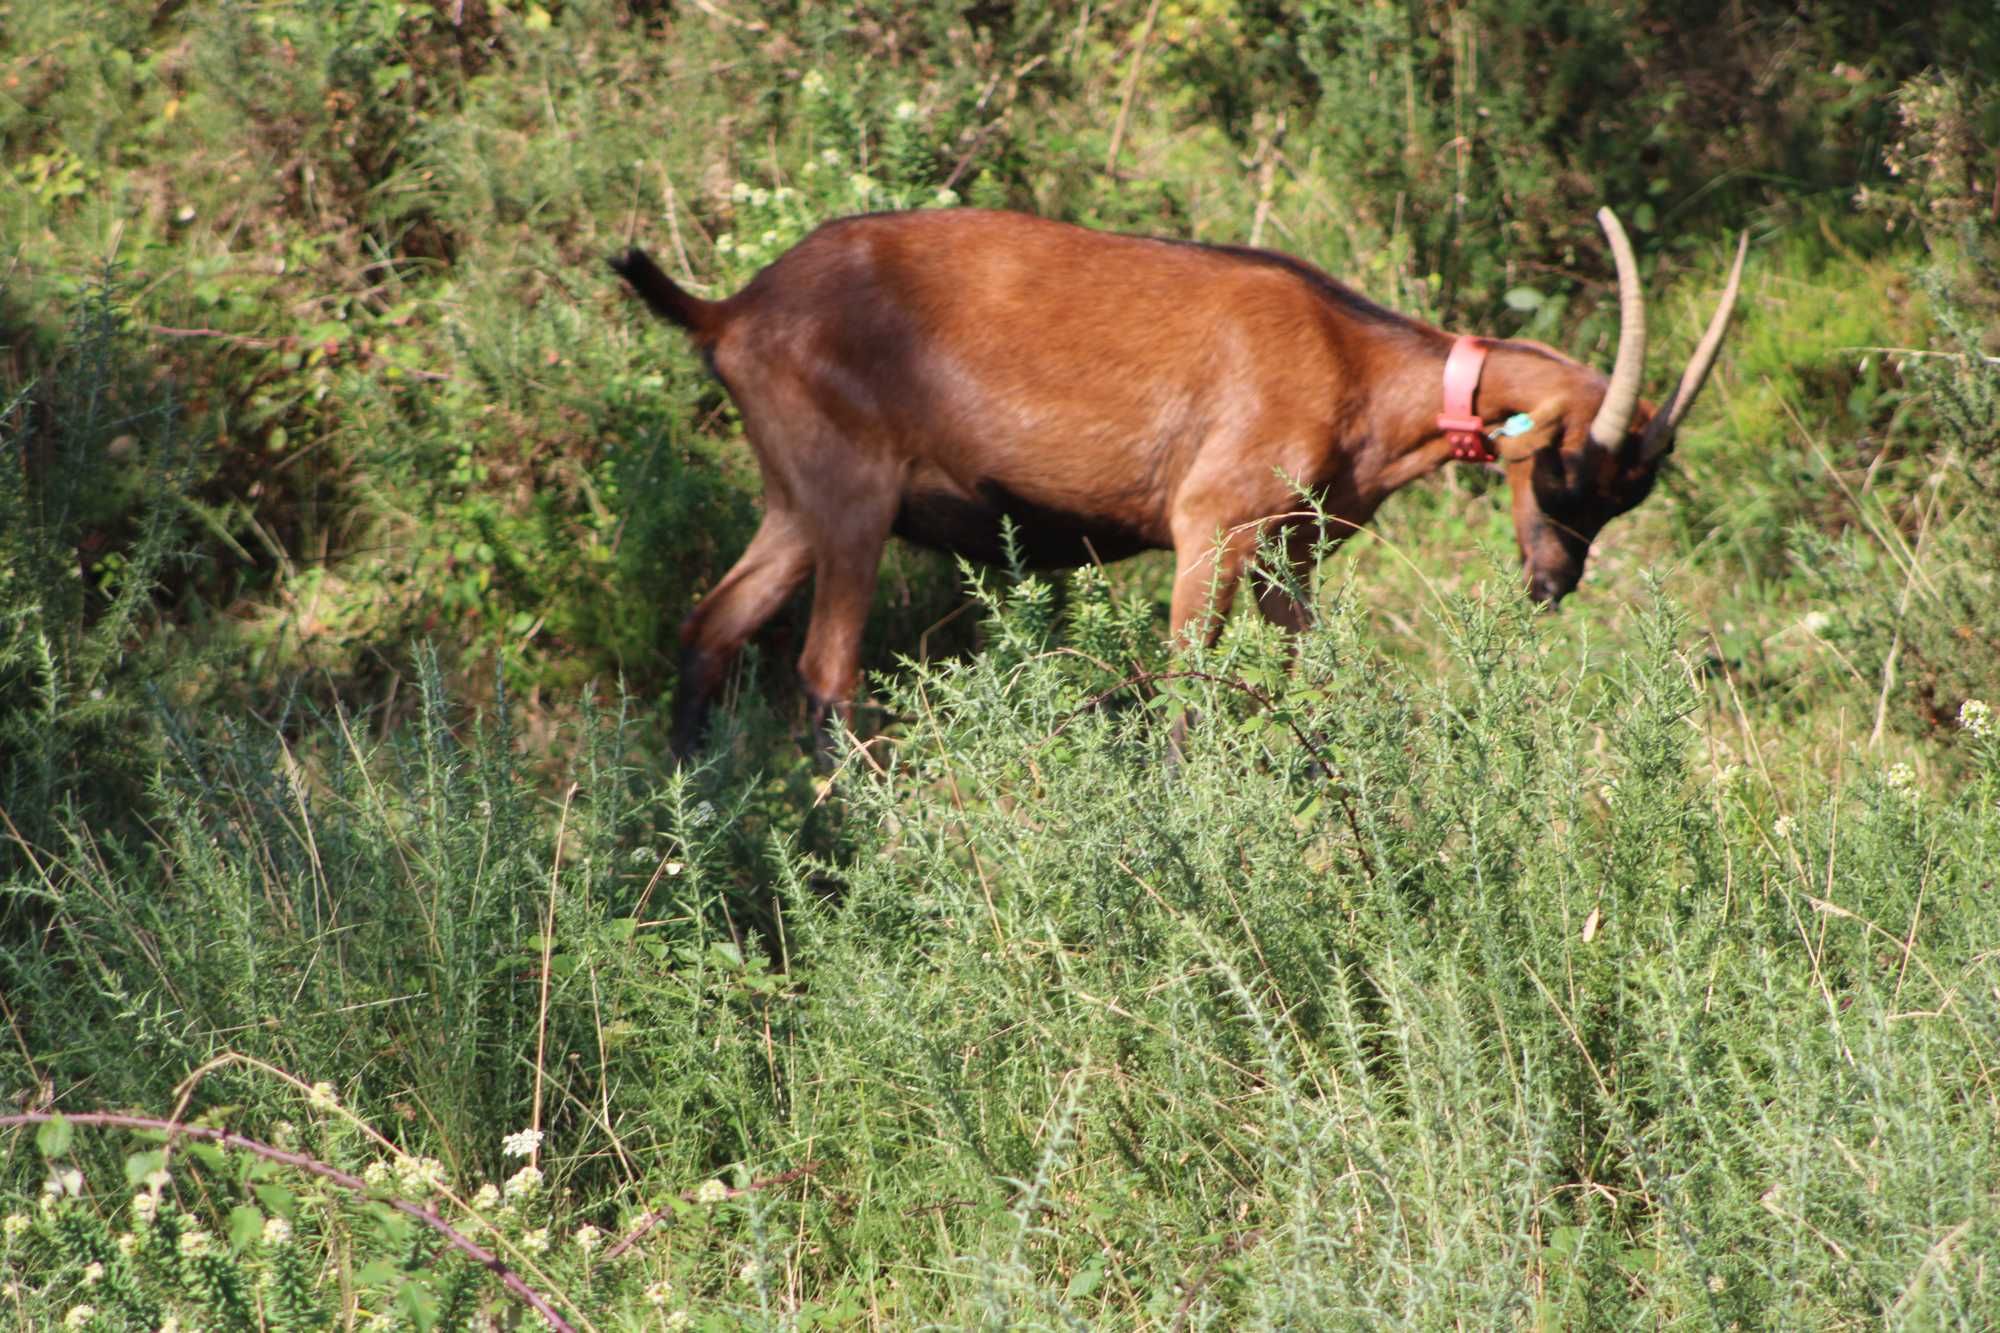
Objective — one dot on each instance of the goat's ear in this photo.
(1548, 421)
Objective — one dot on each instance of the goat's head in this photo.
(1594, 454)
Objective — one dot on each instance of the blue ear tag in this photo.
(1518, 424)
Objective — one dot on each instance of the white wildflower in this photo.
(195, 1243)
(485, 1197)
(829, 156)
(750, 1272)
(277, 1231)
(523, 1183)
(322, 1095)
(284, 1134)
(740, 192)
(769, 240)
(660, 1292)
(947, 198)
(1784, 828)
(522, 1143)
(144, 1206)
(678, 1320)
(1814, 622)
(906, 110)
(536, 1241)
(813, 84)
(127, 1243)
(725, 243)
(863, 185)
(79, 1316)
(93, 1273)
(711, 1192)
(376, 1174)
(419, 1176)
(1900, 777)
(587, 1237)
(759, 197)
(1976, 717)
(15, 1224)
(674, 868)
(63, 1181)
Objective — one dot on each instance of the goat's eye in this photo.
(1559, 480)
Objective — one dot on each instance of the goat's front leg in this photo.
(1209, 560)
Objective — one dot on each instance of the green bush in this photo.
(93, 470)
(1399, 995)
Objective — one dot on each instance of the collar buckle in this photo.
(1462, 427)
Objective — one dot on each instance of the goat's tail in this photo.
(663, 295)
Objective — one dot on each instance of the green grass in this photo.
(1462, 967)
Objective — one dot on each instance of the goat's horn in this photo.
(1622, 395)
(1660, 431)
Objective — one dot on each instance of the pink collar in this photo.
(1462, 427)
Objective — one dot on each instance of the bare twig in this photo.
(1131, 86)
(237, 339)
(1921, 352)
(548, 947)
(425, 1213)
(674, 226)
(715, 12)
(979, 138)
(972, 151)
(1902, 614)
(1266, 162)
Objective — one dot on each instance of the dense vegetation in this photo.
(1472, 967)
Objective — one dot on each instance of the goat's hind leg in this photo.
(849, 555)
(777, 560)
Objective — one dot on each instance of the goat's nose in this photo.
(1548, 589)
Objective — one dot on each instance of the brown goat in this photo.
(929, 374)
